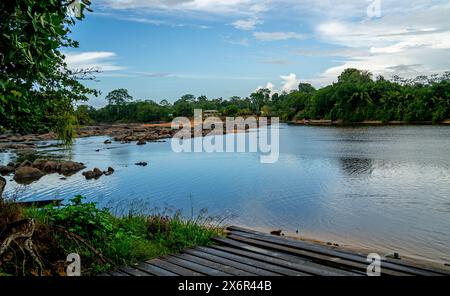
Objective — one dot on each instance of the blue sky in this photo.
(162, 49)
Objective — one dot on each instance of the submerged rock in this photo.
(26, 174)
(71, 167)
(6, 170)
(141, 163)
(93, 174)
(109, 171)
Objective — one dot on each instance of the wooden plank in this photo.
(173, 267)
(155, 270)
(386, 263)
(231, 263)
(118, 273)
(133, 271)
(295, 270)
(252, 262)
(225, 268)
(307, 265)
(195, 267)
(318, 258)
(288, 261)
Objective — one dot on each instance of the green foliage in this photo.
(122, 240)
(36, 87)
(355, 97)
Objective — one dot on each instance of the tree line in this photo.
(356, 96)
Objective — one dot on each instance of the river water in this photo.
(381, 188)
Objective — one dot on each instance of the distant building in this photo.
(211, 113)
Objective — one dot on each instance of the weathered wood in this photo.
(118, 273)
(259, 264)
(330, 252)
(386, 262)
(173, 267)
(133, 271)
(242, 266)
(318, 258)
(225, 268)
(282, 259)
(155, 270)
(195, 266)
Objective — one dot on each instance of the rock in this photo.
(6, 170)
(141, 142)
(2, 186)
(39, 163)
(141, 163)
(26, 163)
(26, 173)
(71, 167)
(107, 142)
(276, 232)
(108, 172)
(93, 174)
(11, 164)
(97, 150)
(97, 172)
(88, 175)
(51, 166)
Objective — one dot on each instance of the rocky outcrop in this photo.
(70, 167)
(25, 174)
(97, 173)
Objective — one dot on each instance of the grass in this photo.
(102, 240)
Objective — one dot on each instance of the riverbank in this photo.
(37, 241)
(323, 122)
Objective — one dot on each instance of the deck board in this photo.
(245, 252)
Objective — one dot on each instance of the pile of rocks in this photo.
(31, 171)
(97, 173)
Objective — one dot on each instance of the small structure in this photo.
(211, 113)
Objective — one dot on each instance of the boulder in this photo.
(71, 167)
(39, 163)
(141, 142)
(51, 166)
(6, 170)
(109, 171)
(107, 142)
(94, 174)
(26, 163)
(26, 173)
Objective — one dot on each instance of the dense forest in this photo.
(356, 96)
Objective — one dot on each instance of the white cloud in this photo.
(409, 43)
(277, 36)
(102, 60)
(289, 82)
(247, 25)
(248, 7)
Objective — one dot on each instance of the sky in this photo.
(163, 49)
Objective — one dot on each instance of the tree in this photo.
(118, 97)
(37, 90)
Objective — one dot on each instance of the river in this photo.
(381, 188)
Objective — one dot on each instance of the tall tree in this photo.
(37, 90)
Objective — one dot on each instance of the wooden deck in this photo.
(246, 252)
